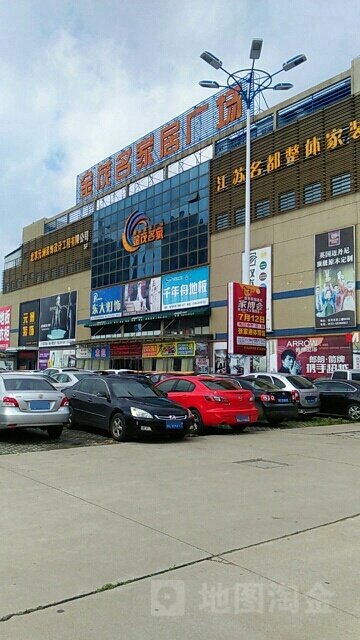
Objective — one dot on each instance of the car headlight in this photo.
(140, 413)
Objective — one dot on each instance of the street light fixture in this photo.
(249, 83)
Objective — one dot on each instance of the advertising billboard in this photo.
(5, 327)
(335, 282)
(246, 319)
(143, 296)
(185, 289)
(58, 319)
(315, 356)
(106, 303)
(168, 349)
(260, 275)
(29, 323)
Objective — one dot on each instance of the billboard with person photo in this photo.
(57, 325)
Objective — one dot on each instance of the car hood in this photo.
(158, 404)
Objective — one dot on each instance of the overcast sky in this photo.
(82, 79)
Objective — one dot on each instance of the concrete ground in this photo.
(253, 536)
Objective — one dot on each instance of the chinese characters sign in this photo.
(260, 275)
(29, 323)
(185, 289)
(196, 126)
(57, 247)
(335, 293)
(168, 349)
(246, 319)
(106, 303)
(315, 356)
(138, 231)
(5, 326)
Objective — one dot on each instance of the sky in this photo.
(82, 80)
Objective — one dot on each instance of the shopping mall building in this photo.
(136, 274)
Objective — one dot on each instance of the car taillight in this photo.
(64, 402)
(267, 397)
(217, 399)
(8, 401)
(296, 396)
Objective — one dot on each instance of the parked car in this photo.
(273, 404)
(306, 393)
(67, 379)
(126, 406)
(340, 398)
(158, 377)
(346, 374)
(32, 401)
(51, 370)
(212, 401)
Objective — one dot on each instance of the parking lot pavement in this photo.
(27, 440)
(251, 536)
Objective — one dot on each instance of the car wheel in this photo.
(198, 423)
(238, 428)
(55, 432)
(72, 422)
(353, 412)
(118, 429)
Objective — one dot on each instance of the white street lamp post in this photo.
(249, 83)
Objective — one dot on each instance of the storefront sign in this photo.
(58, 247)
(246, 319)
(29, 323)
(138, 231)
(58, 319)
(83, 352)
(106, 303)
(100, 352)
(261, 276)
(5, 327)
(126, 350)
(185, 289)
(335, 293)
(168, 349)
(314, 356)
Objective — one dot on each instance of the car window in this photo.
(262, 385)
(134, 388)
(167, 385)
(339, 386)
(224, 385)
(300, 383)
(278, 382)
(61, 377)
(86, 385)
(99, 387)
(185, 385)
(27, 384)
(323, 385)
(339, 375)
(355, 376)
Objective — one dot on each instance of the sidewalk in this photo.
(250, 536)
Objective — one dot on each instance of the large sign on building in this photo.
(106, 303)
(185, 289)
(246, 319)
(29, 323)
(5, 326)
(196, 126)
(58, 319)
(261, 276)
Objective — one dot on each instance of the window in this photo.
(262, 209)
(240, 215)
(287, 201)
(222, 221)
(46, 275)
(69, 267)
(312, 192)
(61, 270)
(340, 184)
(54, 273)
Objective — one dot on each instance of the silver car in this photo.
(32, 401)
(306, 393)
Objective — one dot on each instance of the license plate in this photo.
(174, 424)
(311, 399)
(39, 405)
(242, 419)
(283, 399)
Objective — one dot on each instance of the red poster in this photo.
(5, 327)
(246, 319)
(314, 356)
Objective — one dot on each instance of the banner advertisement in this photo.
(335, 282)
(100, 352)
(168, 349)
(106, 303)
(261, 276)
(5, 327)
(83, 352)
(185, 289)
(246, 319)
(314, 356)
(29, 323)
(126, 350)
(201, 365)
(60, 358)
(58, 319)
(143, 296)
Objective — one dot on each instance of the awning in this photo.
(145, 317)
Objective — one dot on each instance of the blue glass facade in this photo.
(181, 203)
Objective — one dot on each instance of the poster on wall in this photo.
(314, 356)
(260, 275)
(29, 323)
(186, 289)
(58, 319)
(5, 327)
(106, 303)
(59, 358)
(143, 296)
(335, 282)
(246, 319)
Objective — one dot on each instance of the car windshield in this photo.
(300, 383)
(135, 388)
(262, 385)
(27, 384)
(222, 385)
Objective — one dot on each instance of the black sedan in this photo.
(273, 404)
(126, 406)
(340, 398)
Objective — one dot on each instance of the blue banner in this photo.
(100, 352)
(106, 303)
(185, 289)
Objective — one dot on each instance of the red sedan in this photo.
(212, 401)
